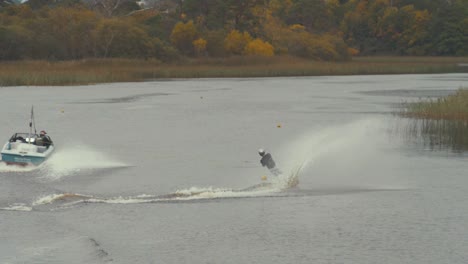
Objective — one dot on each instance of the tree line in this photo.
(171, 29)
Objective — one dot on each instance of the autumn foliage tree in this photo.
(259, 47)
(235, 42)
(313, 29)
(199, 46)
(183, 35)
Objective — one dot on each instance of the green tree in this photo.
(241, 13)
(357, 28)
(415, 36)
(72, 28)
(121, 38)
(214, 13)
(163, 51)
(14, 42)
(313, 14)
(215, 42)
(448, 29)
(160, 25)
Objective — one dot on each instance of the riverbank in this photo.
(92, 71)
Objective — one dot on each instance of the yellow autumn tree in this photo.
(321, 48)
(296, 40)
(200, 46)
(183, 35)
(259, 47)
(235, 42)
(297, 28)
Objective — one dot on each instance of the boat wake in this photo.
(15, 168)
(276, 187)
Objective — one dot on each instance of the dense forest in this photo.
(168, 30)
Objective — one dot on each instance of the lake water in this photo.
(168, 172)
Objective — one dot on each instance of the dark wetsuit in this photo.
(46, 140)
(268, 161)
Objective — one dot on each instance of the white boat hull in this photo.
(25, 154)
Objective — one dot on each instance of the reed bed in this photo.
(453, 107)
(92, 71)
(438, 134)
(441, 123)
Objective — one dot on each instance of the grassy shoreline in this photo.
(93, 71)
(440, 123)
(453, 107)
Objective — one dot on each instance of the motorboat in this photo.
(27, 148)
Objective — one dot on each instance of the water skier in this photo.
(267, 161)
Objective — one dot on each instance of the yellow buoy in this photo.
(278, 126)
(264, 178)
(62, 110)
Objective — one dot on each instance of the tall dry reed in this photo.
(91, 71)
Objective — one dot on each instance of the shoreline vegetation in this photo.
(94, 71)
(440, 123)
(453, 107)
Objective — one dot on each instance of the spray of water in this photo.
(336, 150)
(67, 161)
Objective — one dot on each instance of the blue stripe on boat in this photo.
(9, 158)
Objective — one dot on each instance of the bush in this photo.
(215, 43)
(183, 35)
(260, 48)
(235, 42)
(200, 46)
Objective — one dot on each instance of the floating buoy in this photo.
(62, 110)
(264, 178)
(278, 126)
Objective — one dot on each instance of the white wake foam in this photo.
(17, 207)
(266, 189)
(15, 168)
(61, 198)
(190, 194)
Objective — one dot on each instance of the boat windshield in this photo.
(24, 137)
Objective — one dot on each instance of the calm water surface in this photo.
(167, 172)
